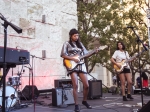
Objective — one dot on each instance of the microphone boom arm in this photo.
(138, 38)
(16, 28)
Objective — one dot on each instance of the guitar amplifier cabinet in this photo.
(67, 83)
(57, 96)
(95, 89)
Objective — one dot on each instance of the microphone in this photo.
(130, 27)
(147, 45)
(28, 67)
(18, 73)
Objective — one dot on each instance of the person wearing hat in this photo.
(69, 51)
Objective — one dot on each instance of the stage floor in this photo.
(107, 103)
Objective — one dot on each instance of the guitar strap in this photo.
(126, 57)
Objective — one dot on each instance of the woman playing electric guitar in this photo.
(117, 59)
(69, 51)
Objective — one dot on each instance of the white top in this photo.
(121, 55)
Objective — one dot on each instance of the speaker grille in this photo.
(95, 89)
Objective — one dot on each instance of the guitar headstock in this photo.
(103, 47)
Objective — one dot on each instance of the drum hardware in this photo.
(14, 81)
(12, 98)
(18, 104)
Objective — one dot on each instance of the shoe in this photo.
(130, 97)
(86, 104)
(124, 98)
(77, 108)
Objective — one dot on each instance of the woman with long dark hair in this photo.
(119, 55)
(69, 51)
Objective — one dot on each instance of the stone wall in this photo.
(39, 34)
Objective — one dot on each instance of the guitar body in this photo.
(123, 64)
(70, 65)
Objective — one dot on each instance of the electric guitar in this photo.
(70, 64)
(123, 63)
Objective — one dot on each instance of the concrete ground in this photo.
(107, 103)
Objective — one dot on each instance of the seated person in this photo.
(144, 80)
(138, 82)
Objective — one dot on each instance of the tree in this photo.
(102, 22)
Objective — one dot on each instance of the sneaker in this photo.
(124, 98)
(130, 97)
(86, 104)
(77, 108)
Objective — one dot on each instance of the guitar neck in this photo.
(93, 51)
(88, 54)
(135, 55)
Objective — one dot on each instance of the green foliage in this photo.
(104, 22)
(104, 90)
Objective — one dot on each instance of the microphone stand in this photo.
(31, 69)
(5, 67)
(140, 41)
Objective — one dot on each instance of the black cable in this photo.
(64, 96)
(21, 68)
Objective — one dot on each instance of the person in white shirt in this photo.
(119, 55)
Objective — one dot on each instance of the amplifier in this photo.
(66, 83)
(57, 96)
(95, 89)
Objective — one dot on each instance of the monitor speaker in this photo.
(27, 92)
(145, 108)
(95, 89)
